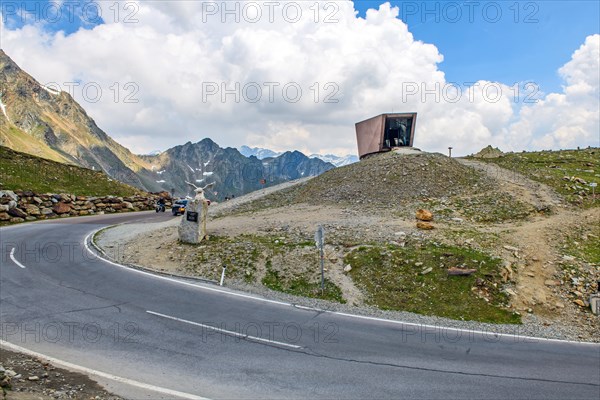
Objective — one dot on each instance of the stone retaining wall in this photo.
(21, 206)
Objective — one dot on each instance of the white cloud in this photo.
(571, 118)
(179, 49)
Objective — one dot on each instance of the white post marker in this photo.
(593, 185)
(319, 241)
(222, 275)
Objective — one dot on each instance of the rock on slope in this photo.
(489, 152)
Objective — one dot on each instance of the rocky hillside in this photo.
(396, 183)
(233, 174)
(387, 181)
(49, 124)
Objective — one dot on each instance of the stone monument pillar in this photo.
(192, 228)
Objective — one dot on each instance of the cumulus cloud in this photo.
(570, 118)
(289, 77)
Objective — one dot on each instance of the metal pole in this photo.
(322, 269)
(319, 242)
(450, 152)
(223, 275)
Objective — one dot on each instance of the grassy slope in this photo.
(552, 167)
(18, 140)
(393, 279)
(20, 171)
(243, 254)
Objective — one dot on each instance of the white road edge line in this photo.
(166, 278)
(12, 257)
(232, 333)
(89, 371)
(363, 317)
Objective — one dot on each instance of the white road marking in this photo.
(166, 278)
(89, 371)
(356, 316)
(12, 257)
(231, 333)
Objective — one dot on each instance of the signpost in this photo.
(593, 185)
(319, 241)
(263, 182)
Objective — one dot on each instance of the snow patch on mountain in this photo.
(50, 90)
(258, 152)
(336, 160)
(3, 107)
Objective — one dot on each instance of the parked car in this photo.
(179, 207)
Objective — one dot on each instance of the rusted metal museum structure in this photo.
(385, 132)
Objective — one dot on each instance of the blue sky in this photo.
(69, 17)
(528, 41)
(541, 40)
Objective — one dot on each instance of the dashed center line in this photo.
(226, 332)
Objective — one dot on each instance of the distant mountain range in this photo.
(52, 125)
(233, 173)
(261, 153)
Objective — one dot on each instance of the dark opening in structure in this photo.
(397, 132)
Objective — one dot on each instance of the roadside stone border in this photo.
(23, 206)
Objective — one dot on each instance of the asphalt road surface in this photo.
(57, 299)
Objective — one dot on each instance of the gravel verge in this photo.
(27, 378)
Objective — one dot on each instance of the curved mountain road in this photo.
(57, 299)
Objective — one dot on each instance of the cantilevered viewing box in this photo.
(384, 132)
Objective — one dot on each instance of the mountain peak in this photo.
(49, 124)
(207, 141)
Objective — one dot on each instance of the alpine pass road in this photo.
(188, 339)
